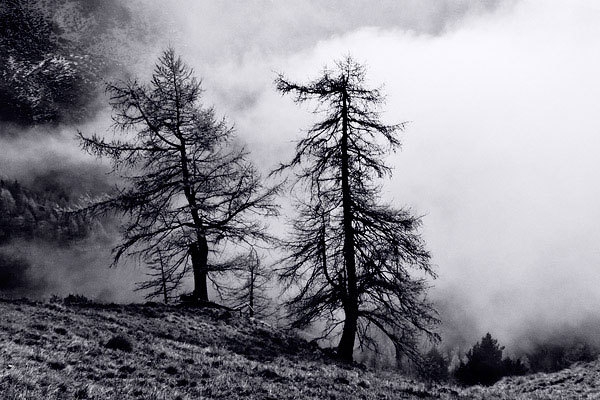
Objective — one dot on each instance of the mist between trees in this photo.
(192, 204)
(352, 270)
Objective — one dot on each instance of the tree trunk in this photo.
(346, 345)
(345, 349)
(164, 281)
(251, 300)
(199, 252)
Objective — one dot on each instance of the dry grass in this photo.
(581, 381)
(59, 351)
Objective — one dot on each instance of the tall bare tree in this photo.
(350, 255)
(188, 188)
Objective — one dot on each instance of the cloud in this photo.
(230, 30)
(51, 158)
(237, 48)
(500, 155)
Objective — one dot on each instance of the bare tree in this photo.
(188, 188)
(349, 255)
(249, 285)
(163, 278)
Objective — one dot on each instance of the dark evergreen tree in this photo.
(485, 366)
(350, 255)
(512, 367)
(484, 363)
(188, 188)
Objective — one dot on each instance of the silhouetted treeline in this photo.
(484, 364)
(552, 357)
(41, 215)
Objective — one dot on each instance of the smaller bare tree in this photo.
(250, 280)
(164, 279)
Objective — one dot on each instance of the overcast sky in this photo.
(501, 155)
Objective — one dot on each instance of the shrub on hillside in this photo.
(76, 299)
(552, 357)
(119, 342)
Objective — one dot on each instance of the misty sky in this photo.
(501, 153)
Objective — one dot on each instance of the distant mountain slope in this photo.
(38, 214)
(56, 54)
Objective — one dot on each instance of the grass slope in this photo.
(580, 381)
(58, 351)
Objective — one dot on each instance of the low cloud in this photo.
(500, 156)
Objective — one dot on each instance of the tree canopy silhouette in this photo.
(350, 255)
(188, 187)
(484, 363)
(485, 366)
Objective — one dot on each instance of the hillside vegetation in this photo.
(63, 350)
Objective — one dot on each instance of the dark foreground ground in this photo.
(54, 350)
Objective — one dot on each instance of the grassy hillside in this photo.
(580, 381)
(59, 351)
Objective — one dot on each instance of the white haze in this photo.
(500, 156)
(501, 153)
